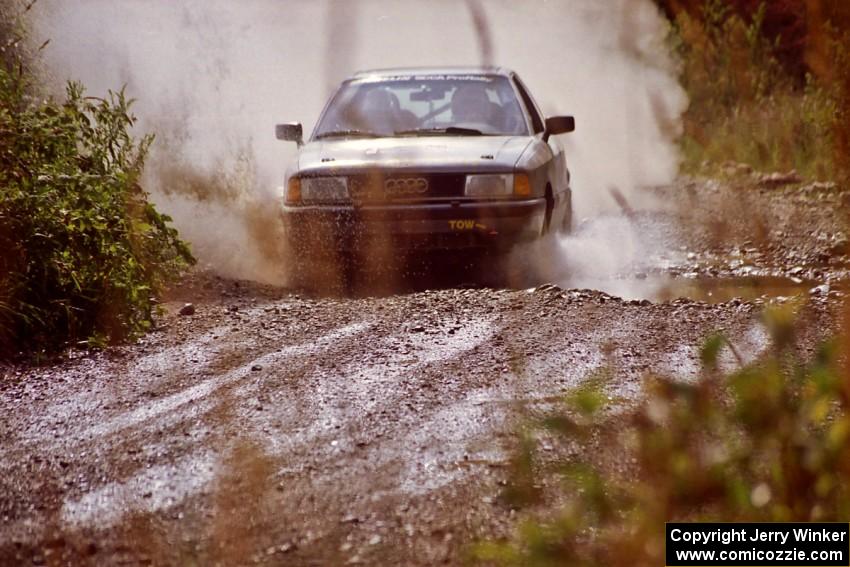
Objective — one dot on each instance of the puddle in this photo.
(719, 290)
(662, 287)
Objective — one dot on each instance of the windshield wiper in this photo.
(451, 130)
(343, 133)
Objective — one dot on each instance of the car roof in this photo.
(395, 72)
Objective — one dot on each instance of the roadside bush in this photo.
(82, 251)
(748, 102)
(768, 442)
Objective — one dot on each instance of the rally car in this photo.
(427, 159)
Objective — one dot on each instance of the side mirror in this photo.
(558, 125)
(290, 132)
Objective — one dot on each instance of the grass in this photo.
(769, 441)
(747, 106)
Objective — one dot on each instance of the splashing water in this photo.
(212, 77)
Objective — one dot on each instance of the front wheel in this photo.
(550, 208)
(321, 272)
(567, 223)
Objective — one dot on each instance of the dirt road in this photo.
(280, 429)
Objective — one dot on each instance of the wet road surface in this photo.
(274, 428)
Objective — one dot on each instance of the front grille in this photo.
(379, 187)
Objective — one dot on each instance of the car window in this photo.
(536, 121)
(411, 105)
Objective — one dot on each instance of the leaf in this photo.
(711, 350)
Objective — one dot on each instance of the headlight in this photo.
(317, 190)
(498, 185)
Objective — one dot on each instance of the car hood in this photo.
(437, 153)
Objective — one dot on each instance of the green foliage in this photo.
(768, 442)
(82, 251)
(745, 106)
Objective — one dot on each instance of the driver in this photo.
(374, 112)
(470, 103)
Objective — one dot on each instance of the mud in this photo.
(272, 427)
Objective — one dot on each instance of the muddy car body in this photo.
(427, 159)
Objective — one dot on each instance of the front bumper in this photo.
(420, 226)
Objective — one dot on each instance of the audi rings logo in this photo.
(400, 186)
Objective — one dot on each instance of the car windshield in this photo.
(455, 105)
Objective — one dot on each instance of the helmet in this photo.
(470, 103)
(374, 111)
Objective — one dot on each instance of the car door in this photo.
(559, 176)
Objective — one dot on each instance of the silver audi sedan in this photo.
(445, 159)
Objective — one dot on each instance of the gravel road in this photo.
(276, 428)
